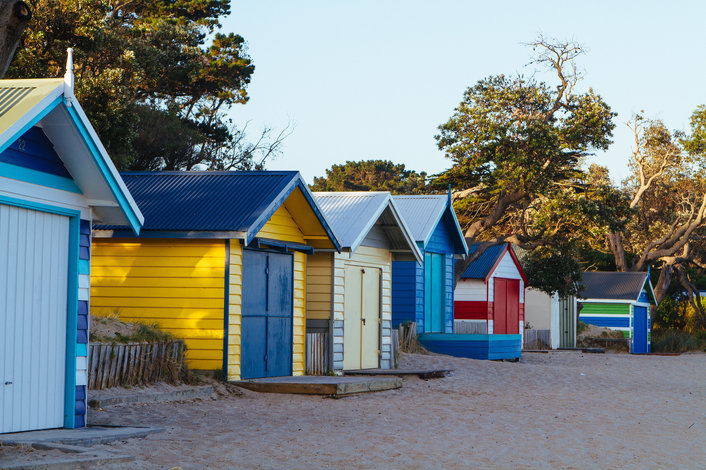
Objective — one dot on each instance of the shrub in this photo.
(677, 341)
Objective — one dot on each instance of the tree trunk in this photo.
(14, 17)
(615, 242)
(665, 278)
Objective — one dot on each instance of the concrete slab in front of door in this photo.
(321, 385)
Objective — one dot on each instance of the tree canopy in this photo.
(155, 77)
(517, 145)
(371, 175)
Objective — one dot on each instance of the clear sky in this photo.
(374, 79)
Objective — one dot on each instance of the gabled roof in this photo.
(50, 105)
(353, 214)
(604, 285)
(483, 267)
(237, 202)
(424, 212)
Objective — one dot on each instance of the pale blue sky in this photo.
(374, 79)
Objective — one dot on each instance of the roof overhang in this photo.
(508, 249)
(296, 183)
(457, 228)
(49, 106)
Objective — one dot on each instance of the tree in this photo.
(14, 16)
(153, 76)
(667, 191)
(517, 145)
(371, 175)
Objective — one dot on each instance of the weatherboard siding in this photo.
(299, 314)
(177, 284)
(318, 286)
(235, 297)
(282, 226)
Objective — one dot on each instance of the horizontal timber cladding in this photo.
(470, 310)
(177, 284)
(604, 309)
(475, 346)
(282, 226)
(318, 286)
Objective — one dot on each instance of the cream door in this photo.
(370, 336)
(361, 318)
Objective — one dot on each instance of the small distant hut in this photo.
(619, 301)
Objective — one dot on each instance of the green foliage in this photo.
(553, 271)
(371, 175)
(144, 70)
(671, 313)
(673, 341)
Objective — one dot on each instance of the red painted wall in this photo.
(470, 310)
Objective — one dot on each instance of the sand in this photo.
(556, 410)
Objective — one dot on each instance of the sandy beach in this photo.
(556, 410)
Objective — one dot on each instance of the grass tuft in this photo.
(678, 341)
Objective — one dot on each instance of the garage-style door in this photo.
(267, 314)
(33, 288)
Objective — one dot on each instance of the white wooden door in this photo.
(33, 289)
(370, 324)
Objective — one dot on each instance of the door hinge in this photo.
(8, 383)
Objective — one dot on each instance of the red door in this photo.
(506, 306)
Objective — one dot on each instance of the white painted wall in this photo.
(470, 290)
(506, 269)
(542, 313)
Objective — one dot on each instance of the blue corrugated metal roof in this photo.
(422, 214)
(214, 201)
(480, 268)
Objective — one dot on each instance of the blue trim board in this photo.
(50, 107)
(71, 300)
(614, 321)
(103, 168)
(492, 347)
(41, 178)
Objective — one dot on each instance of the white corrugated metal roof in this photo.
(351, 215)
(421, 213)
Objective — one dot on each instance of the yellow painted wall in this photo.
(178, 284)
(234, 309)
(318, 286)
(281, 226)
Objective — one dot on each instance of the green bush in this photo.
(677, 341)
(581, 327)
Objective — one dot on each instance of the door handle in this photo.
(8, 383)
(363, 320)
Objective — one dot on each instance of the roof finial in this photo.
(69, 75)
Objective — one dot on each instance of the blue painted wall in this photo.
(408, 279)
(34, 151)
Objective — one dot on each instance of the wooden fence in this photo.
(536, 339)
(113, 364)
(462, 327)
(317, 353)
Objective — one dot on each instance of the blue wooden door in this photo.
(266, 331)
(434, 296)
(639, 335)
